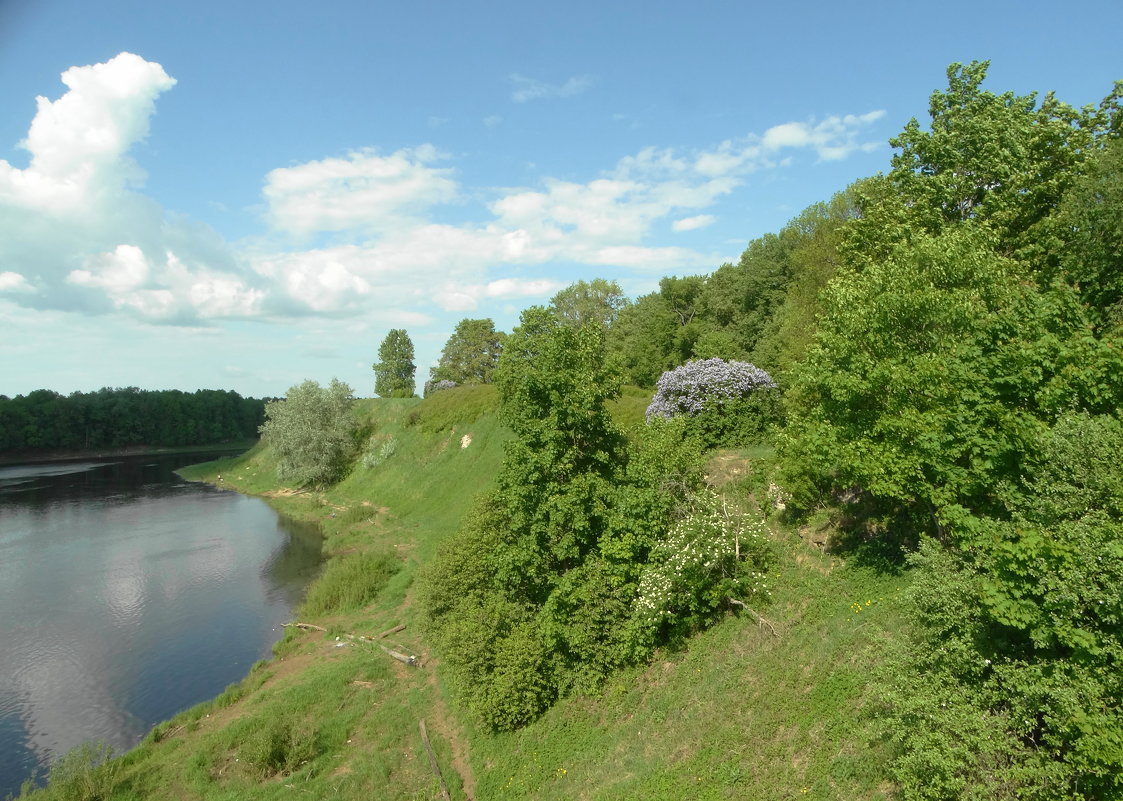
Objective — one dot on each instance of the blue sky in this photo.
(244, 195)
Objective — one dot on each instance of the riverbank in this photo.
(37, 457)
(743, 710)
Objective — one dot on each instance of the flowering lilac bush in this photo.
(436, 386)
(731, 401)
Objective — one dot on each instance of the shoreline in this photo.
(45, 457)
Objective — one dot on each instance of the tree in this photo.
(311, 433)
(471, 354)
(597, 301)
(393, 374)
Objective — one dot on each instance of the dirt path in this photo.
(445, 725)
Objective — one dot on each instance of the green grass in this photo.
(738, 713)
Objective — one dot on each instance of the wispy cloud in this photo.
(527, 89)
(693, 223)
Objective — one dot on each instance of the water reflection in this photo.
(127, 595)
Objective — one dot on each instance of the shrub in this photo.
(88, 773)
(350, 582)
(378, 450)
(311, 433)
(712, 555)
(730, 402)
(280, 745)
(432, 386)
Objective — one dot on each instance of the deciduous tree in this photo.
(394, 371)
(310, 432)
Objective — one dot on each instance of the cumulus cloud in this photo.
(527, 89)
(76, 232)
(78, 143)
(832, 139)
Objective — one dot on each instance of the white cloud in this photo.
(832, 139)
(492, 121)
(364, 191)
(14, 282)
(693, 223)
(466, 297)
(77, 234)
(527, 89)
(78, 142)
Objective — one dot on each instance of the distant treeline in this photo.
(117, 418)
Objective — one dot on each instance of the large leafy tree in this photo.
(394, 371)
(310, 432)
(471, 354)
(597, 301)
(1006, 160)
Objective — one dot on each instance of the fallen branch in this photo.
(761, 619)
(433, 760)
(412, 661)
(394, 630)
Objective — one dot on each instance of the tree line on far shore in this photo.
(123, 417)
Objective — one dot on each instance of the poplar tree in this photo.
(394, 371)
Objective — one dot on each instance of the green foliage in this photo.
(394, 370)
(379, 448)
(1004, 160)
(471, 354)
(310, 431)
(444, 410)
(1091, 248)
(87, 773)
(350, 582)
(597, 301)
(713, 556)
(280, 745)
(1011, 687)
(535, 596)
(123, 417)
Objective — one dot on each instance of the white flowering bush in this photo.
(730, 401)
(710, 556)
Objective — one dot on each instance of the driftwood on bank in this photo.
(433, 760)
(395, 630)
(406, 659)
(761, 619)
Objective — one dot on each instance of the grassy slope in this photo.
(740, 713)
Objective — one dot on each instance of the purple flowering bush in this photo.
(436, 386)
(730, 402)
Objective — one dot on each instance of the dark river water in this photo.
(128, 595)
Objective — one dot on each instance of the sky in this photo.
(245, 195)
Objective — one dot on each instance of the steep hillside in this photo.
(772, 703)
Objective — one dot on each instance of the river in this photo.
(128, 595)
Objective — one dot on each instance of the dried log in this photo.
(394, 630)
(406, 659)
(433, 761)
(412, 661)
(761, 619)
